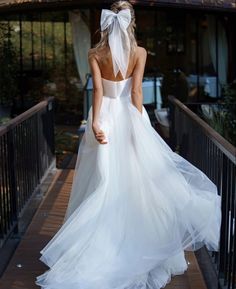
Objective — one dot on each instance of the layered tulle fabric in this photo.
(135, 206)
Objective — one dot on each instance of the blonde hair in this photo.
(116, 7)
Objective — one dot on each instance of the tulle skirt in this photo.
(135, 206)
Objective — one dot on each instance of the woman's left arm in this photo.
(137, 92)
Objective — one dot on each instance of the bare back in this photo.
(101, 67)
(104, 61)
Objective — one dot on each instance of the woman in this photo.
(135, 205)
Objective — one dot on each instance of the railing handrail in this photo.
(27, 153)
(23, 116)
(209, 103)
(227, 148)
(207, 150)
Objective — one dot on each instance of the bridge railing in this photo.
(26, 153)
(209, 151)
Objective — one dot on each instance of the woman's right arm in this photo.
(97, 87)
(97, 97)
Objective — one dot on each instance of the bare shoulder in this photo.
(92, 53)
(141, 52)
(98, 55)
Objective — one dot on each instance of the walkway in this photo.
(25, 265)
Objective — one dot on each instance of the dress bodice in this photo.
(116, 89)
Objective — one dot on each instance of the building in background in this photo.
(190, 44)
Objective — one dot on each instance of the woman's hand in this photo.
(99, 134)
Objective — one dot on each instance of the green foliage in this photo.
(216, 119)
(229, 100)
(8, 65)
(52, 64)
(222, 115)
(48, 45)
(66, 140)
(4, 120)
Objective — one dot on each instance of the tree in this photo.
(8, 66)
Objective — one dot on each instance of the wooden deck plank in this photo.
(46, 222)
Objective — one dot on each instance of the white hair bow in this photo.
(118, 38)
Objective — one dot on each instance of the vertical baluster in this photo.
(20, 162)
(26, 161)
(2, 188)
(5, 182)
(31, 149)
(231, 209)
(225, 221)
(12, 183)
(234, 231)
(3, 205)
(24, 164)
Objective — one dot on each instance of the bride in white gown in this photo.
(135, 205)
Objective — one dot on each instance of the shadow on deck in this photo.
(25, 265)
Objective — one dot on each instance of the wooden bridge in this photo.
(24, 266)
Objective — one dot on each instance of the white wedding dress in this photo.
(135, 206)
